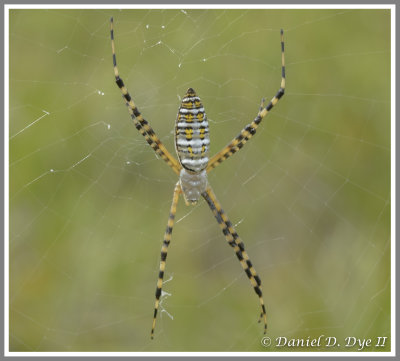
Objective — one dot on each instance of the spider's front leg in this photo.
(164, 250)
(236, 243)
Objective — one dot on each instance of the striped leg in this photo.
(249, 130)
(234, 241)
(164, 250)
(140, 123)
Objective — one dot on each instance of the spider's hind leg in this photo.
(250, 129)
(141, 124)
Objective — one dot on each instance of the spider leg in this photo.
(140, 123)
(250, 129)
(236, 243)
(164, 250)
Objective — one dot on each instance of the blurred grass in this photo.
(89, 201)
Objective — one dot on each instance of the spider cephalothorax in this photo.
(192, 143)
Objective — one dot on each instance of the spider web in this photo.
(89, 200)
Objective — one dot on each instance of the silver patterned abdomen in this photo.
(191, 133)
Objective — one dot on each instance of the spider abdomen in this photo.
(191, 133)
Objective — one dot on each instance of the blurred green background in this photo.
(89, 200)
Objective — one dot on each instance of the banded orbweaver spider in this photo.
(192, 142)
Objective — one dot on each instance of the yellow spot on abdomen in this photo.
(189, 133)
(189, 117)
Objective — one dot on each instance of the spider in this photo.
(192, 142)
